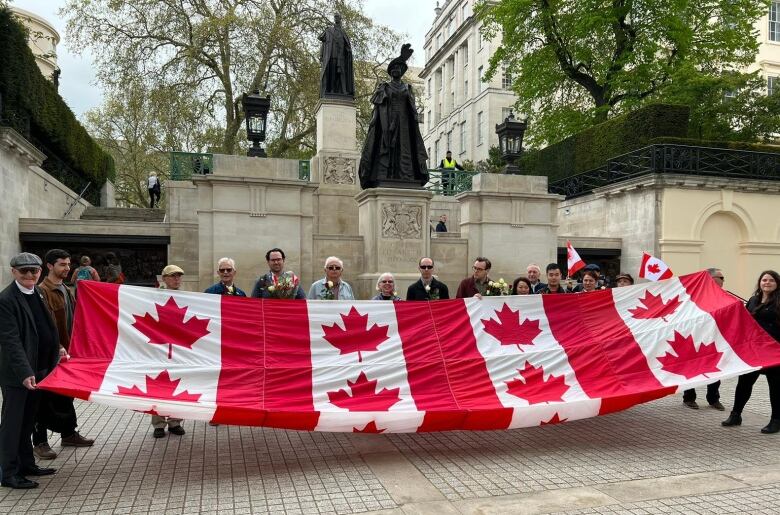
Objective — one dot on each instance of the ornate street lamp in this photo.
(256, 112)
(510, 142)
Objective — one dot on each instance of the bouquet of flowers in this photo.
(327, 293)
(284, 286)
(433, 294)
(495, 288)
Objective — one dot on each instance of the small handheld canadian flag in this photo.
(574, 261)
(653, 269)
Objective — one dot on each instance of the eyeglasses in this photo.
(426, 267)
(28, 270)
(718, 277)
(225, 270)
(387, 282)
(478, 268)
(334, 267)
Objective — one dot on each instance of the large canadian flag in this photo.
(373, 366)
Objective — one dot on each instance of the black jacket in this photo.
(765, 315)
(416, 291)
(19, 338)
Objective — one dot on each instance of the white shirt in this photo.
(23, 289)
(152, 181)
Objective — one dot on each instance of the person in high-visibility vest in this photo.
(448, 164)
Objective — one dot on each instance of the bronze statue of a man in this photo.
(394, 154)
(337, 78)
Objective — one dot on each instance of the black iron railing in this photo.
(671, 158)
(186, 164)
(449, 182)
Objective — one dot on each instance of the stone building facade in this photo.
(43, 40)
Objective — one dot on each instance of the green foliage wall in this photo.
(29, 98)
(592, 147)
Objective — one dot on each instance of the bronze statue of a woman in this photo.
(394, 154)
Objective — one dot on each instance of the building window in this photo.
(429, 87)
(465, 50)
(480, 128)
(449, 140)
(772, 85)
(464, 11)
(482, 83)
(506, 80)
(465, 89)
(463, 137)
(774, 21)
(438, 41)
(450, 25)
(480, 41)
(505, 113)
(438, 114)
(429, 120)
(436, 151)
(440, 78)
(452, 100)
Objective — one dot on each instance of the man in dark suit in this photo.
(29, 350)
(427, 287)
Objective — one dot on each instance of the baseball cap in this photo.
(26, 259)
(172, 270)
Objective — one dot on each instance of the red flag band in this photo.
(372, 366)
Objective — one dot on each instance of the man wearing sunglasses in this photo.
(29, 350)
(331, 287)
(427, 287)
(226, 268)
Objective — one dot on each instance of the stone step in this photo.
(134, 214)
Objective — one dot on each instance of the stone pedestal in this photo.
(396, 234)
(511, 220)
(334, 170)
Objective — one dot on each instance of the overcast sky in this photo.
(77, 82)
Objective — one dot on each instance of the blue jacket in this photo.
(219, 289)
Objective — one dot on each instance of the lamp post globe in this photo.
(510, 141)
(256, 109)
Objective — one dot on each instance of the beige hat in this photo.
(172, 270)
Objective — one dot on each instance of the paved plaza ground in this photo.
(656, 458)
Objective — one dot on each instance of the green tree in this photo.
(577, 63)
(216, 50)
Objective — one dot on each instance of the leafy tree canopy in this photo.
(577, 63)
(194, 59)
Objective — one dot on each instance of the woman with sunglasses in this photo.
(331, 287)
(385, 286)
(764, 305)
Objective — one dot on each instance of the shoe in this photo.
(76, 440)
(19, 482)
(178, 430)
(772, 427)
(691, 404)
(735, 419)
(44, 452)
(718, 406)
(159, 432)
(35, 470)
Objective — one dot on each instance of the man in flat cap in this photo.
(171, 276)
(29, 350)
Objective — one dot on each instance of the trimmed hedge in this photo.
(31, 104)
(592, 147)
(731, 145)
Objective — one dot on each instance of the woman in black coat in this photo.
(764, 305)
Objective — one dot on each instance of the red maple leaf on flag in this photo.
(370, 428)
(554, 420)
(160, 387)
(364, 396)
(356, 335)
(655, 307)
(170, 328)
(689, 362)
(534, 388)
(654, 268)
(509, 330)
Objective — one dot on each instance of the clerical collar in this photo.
(23, 289)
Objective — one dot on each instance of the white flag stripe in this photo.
(506, 363)
(653, 335)
(386, 366)
(136, 361)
